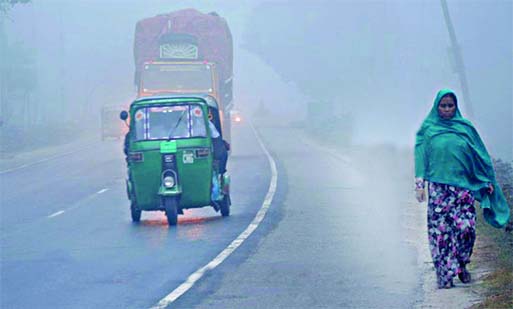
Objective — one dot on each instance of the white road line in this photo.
(60, 212)
(193, 278)
(102, 191)
(89, 197)
(74, 206)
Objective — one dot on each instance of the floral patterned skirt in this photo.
(451, 223)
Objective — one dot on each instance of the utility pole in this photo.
(61, 69)
(5, 111)
(3, 56)
(458, 59)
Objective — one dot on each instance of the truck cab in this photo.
(184, 77)
(178, 77)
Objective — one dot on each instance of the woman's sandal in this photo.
(464, 275)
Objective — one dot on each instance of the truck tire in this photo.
(171, 205)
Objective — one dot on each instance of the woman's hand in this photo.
(420, 194)
(490, 189)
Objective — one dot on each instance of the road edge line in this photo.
(194, 277)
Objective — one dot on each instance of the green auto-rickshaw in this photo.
(170, 156)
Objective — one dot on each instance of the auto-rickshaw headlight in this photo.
(169, 181)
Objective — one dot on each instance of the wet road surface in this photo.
(338, 237)
(336, 234)
(67, 240)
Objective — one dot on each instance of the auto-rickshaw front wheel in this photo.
(171, 205)
(136, 213)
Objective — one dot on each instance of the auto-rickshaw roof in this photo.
(177, 98)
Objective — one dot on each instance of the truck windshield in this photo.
(169, 122)
(177, 77)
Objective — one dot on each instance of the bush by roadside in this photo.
(497, 286)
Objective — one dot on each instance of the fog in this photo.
(378, 63)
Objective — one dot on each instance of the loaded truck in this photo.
(184, 52)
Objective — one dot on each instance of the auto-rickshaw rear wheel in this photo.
(136, 213)
(225, 205)
(171, 205)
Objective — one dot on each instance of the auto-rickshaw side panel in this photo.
(144, 162)
(195, 168)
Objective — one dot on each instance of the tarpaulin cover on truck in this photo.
(211, 32)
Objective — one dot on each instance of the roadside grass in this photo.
(499, 289)
(498, 285)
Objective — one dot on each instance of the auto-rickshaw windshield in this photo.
(169, 122)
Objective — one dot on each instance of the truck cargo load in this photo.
(184, 52)
(185, 35)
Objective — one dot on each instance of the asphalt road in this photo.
(336, 234)
(67, 240)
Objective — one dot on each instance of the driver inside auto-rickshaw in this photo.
(219, 145)
(159, 129)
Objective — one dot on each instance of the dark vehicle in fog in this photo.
(110, 125)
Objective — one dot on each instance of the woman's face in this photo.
(447, 107)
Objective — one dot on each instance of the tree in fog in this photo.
(6, 5)
(17, 73)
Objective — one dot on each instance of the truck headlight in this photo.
(169, 181)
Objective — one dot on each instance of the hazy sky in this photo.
(385, 60)
(83, 52)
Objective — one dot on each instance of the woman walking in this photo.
(451, 157)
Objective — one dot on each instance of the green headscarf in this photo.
(475, 167)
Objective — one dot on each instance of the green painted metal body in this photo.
(194, 172)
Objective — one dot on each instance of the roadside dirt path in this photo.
(398, 163)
